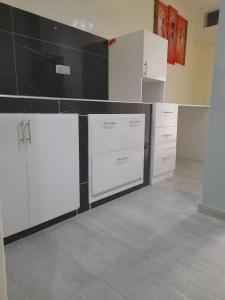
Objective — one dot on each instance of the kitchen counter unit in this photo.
(46, 105)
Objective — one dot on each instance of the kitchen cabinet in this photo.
(163, 141)
(155, 56)
(116, 153)
(13, 174)
(39, 172)
(137, 67)
(53, 166)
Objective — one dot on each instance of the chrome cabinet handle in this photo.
(167, 135)
(168, 112)
(20, 130)
(146, 68)
(122, 158)
(28, 139)
(135, 122)
(107, 124)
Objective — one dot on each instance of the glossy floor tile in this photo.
(152, 244)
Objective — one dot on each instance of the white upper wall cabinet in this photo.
(155, 57)
(137, 67)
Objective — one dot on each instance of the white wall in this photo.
(214, 184)
(203, 73)
(192, 132)
(114, 18)
(102, 17)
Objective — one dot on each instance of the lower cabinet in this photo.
(115, 170)
(39, 168)
(165, 161)
(13, 175)
(163, 141)
(53, 166)
(116, 154)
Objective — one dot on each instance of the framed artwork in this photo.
(182, 26)
(172, 35)
(161, 19)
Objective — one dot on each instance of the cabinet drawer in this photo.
(164, 161)
(136, 130)
(165, 138)
(165, 114)
(116, 169)
(113, 132)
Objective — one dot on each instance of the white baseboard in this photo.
(212, 211)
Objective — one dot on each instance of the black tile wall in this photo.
(24, 105)
(14, 105)
(7, 65)
(37, 27)
(40, 44)
(36, 71)
(5, 17)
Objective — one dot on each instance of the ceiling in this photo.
(201, 4)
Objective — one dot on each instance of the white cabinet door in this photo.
(53, 165)
(13, 175)
(155, 56)
(118, 169)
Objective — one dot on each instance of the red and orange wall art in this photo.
(182, 26)
(171, 26)
(161, 19)
(172, 35)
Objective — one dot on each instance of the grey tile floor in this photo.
(149, 245)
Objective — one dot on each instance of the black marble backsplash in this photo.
(32, 46)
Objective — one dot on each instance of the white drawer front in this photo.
(165, 115)
(116, 169)
(136, 130)
(164, 161)
(114, 132)
(165, 138)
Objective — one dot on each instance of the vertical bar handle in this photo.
(20, 130)
(29, 140)
(146, 68)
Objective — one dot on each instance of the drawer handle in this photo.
(166, 158)
(168, 112)
(109, 123)
(122, 158)
(167, 135)
(135, 122)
